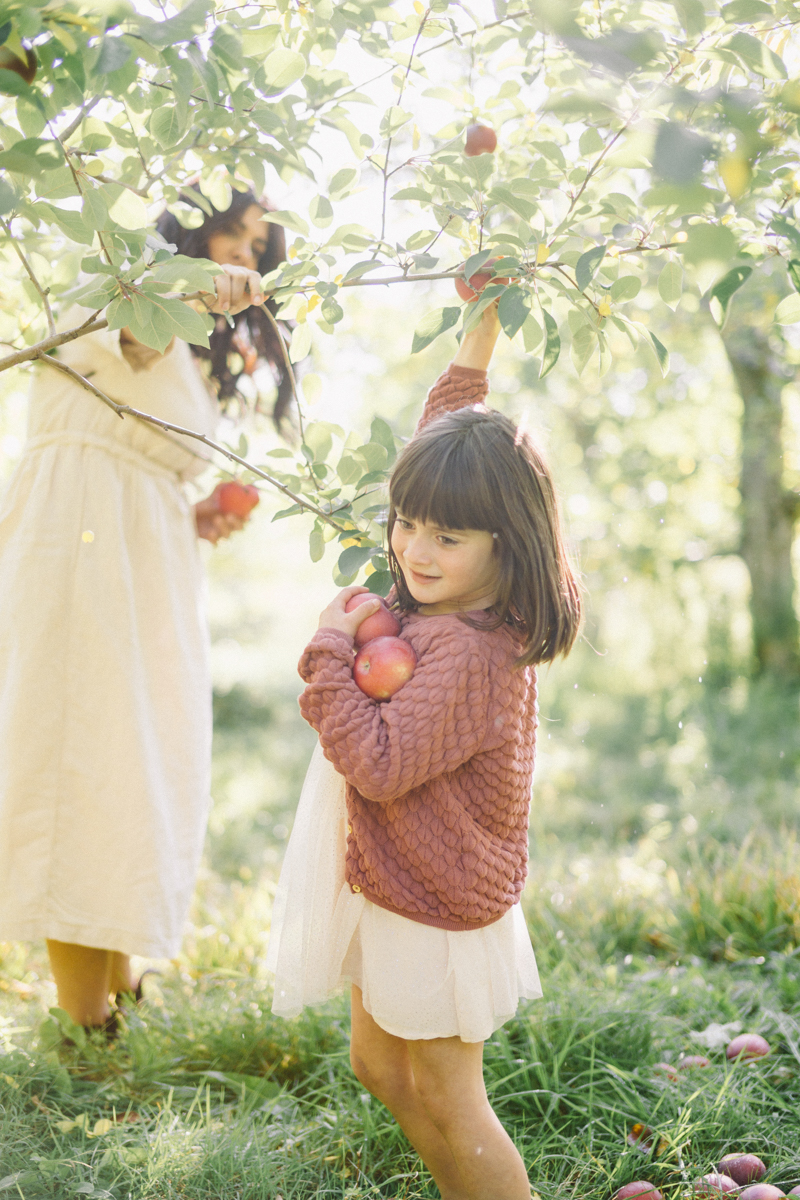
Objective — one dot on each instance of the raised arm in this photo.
(464, 382)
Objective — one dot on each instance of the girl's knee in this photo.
(386, 1079)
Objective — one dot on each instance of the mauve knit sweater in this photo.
(439, 777)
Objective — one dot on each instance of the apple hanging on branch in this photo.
(480, 139)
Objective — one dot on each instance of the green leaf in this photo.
(746, 12)
(793, 267)
(709, 243)
(757, 56)
(788, 311)
(513, 309)
(301, 342)
(32, 156)
(342, 182)
(94, 210)
(114, 53)
(662, 354)
(348, 470)
(582, 347)
(129, 211)
(8, 197)
(625, 288)
(475, 262)
(188, 274)
(670, 283)
(182, 28)
(552, 347)
(413, 193)
(381, 433)
(12, 84)
(321, 211)
(331, 311)
(587, 265)
(531, 334)
(289, 220)
(155, 320)
(727, 286)
(691, 14)
(380, 582)
(393, 119)
(353, 558)
(283, 67)
(432, 325)
(166, 125)
(523, 208)
(316, 544)
(787, 229)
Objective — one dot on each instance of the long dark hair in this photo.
(252, 329)
(474, 469)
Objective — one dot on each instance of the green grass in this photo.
(645, 940)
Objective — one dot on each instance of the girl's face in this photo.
(446, 570)
(243, 244)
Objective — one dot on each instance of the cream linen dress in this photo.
(105, 714)
(417, 981)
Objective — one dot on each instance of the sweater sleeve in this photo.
(432, 725)
(457, 387)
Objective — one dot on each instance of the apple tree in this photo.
(638, 142)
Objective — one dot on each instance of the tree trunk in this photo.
(768, 510)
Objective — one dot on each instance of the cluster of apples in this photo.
(741, 1173)
(385, 661)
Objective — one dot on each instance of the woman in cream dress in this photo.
(105, 714)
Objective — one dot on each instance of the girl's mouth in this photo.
(418, 578)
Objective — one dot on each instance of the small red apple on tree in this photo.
(481, 139)
(383, 666)
(383, 623)
(236, 498)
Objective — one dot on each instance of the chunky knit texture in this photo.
(438, 777)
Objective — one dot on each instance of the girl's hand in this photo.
(334, 616)
(212, 525)
(236, 289)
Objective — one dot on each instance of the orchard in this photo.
(585, 153)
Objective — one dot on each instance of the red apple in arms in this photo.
(481, 139)
(383, 666)
(236, 498)
(383, 623)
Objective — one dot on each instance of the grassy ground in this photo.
(647, 943)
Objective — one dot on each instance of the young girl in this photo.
(416, 902)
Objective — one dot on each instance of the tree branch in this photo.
(125, 410)
(43, 292)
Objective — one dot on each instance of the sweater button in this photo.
(356, 888)
(349, 828)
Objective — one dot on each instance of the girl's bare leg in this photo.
(382, 1063)
(448, 1074)
(83, 980)
(121, 979)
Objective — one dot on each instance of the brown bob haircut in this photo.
(473, 469)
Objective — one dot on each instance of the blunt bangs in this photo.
(447, 476)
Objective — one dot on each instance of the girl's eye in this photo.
(401, 521)
(448, 541)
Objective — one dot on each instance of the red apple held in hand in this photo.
(748, 1046)
(641, 1189)
(693, 1060)
(762, 1191)
(383, 666)
(714, 1184)
(236, 498)
(477, 282)
(742, 1168)
(383, 623)
(481, 139)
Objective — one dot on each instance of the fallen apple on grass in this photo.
(663, 1068)
(692, 1061)
(762, 1191)
(237, 499)
(640, 1189)
(383, 666)
(480, 139)
(742, 1168)
(748, 1046)
(715, 1184)
(383, 623)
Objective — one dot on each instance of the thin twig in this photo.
(73, 125)
(390, 138)
(43, 292)
(293, 383)
(125, 410)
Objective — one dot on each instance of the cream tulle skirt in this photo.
(417, 981)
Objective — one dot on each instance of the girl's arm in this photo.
(438, 720)
(464, 382)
